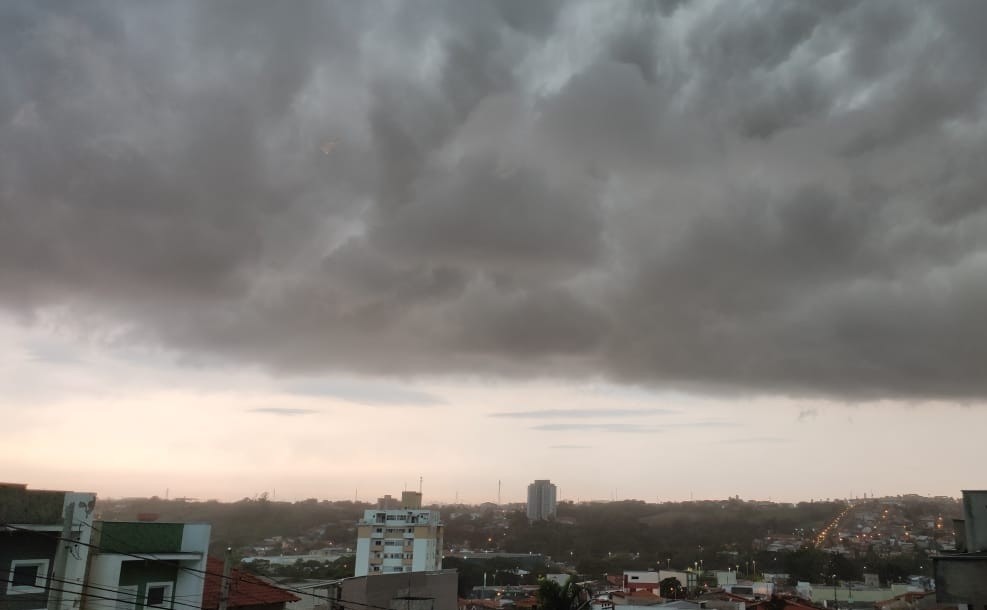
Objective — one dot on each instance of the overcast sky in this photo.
(646, 250)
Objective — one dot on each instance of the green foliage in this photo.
(610, 537)
(246, 522)
(302, 570)
(671, 588)
(553, 596)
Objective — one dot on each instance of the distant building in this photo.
(36, 570)
(641, 581)
(405, 539)
(541, 500)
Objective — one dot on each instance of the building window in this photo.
(27, 576)
(158, 594)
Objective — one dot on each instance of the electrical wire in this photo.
(87, 586)
(146, 557)
(84, 593)
(218, 575)
(200, 573)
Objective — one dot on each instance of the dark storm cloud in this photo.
(581, 413)
(283, 411)
(364, 393)
(614, 428)
(770, 196)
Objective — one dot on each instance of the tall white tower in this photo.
(541, 500)
(398, 539)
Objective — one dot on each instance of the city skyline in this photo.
(652, 250)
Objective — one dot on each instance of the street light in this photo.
(835, 605)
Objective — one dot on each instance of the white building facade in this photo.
(541, 500)
(406, 539)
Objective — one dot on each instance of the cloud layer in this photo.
(773, 196)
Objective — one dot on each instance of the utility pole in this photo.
(224, 587)
(61, 558)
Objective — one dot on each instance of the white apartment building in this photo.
(541, 500)
(405, 539)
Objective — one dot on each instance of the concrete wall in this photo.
(824, 593)
(195, 539)
(975, 516)
(437, 590)
(961, 580)
(726, 578)
(139, 537)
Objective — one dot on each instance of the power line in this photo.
(200, 573)
(222, 576)
(87, 586)
(145, 557)
(84, 592)
(203, 573)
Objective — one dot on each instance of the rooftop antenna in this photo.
(498, 492)
(420, 479)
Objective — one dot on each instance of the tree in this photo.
(553, 596)
(670, 588)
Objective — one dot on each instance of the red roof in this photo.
(245, 589)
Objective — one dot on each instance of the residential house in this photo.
(44, 547)
(641, 581)
(148, 565)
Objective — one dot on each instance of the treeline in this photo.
(249, 521)
(593, 539)
(641, 536)
(303, 570)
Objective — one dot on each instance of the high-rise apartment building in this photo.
(398, 539)
(541, 500)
